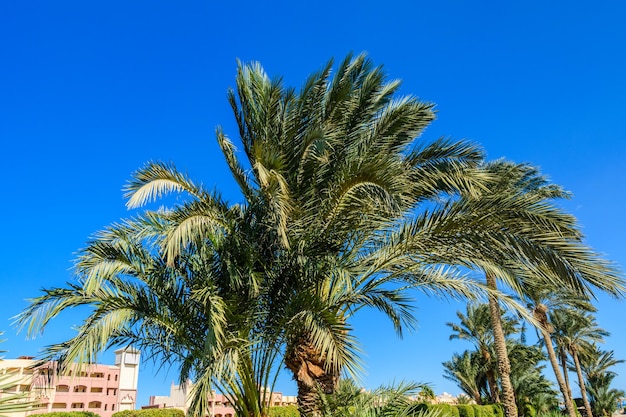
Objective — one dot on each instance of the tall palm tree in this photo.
(577, 331)
(541, 301)
(528, 241)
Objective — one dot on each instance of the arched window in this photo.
(95, 404)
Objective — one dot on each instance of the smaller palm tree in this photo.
(577, 331)
(596, 366)
(386, 401)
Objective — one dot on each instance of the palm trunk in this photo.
(307, 366)
(540, 313)
(504, 366)
(494, 393)
(563, 356)
(581, 383)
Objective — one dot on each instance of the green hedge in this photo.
(284, 411)
(151, 412)
(69, 414)
(462, 410)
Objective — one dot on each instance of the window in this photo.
(108, 377)
(63, 388)
(105, 407)
(80, 388)
(97, 375)
(113, 407)
(95, 404)
(96, 389)
(116, 377)
(78, 405)
(59, 405)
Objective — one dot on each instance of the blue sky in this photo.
(90, 91)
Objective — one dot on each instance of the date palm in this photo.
(475, 326)
(528, 242)
(596, 365)
(328, 178)
(577, 331)
(468, 372)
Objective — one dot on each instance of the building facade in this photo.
(102, 389)
(219, 405)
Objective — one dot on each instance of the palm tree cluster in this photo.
(476, 371)
(572, 340)
(342, 208)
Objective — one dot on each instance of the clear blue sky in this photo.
(90, 91)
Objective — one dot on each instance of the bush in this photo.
(151, 412)
(528, 410)
(69, 414)
(466, 410)
(284, 411)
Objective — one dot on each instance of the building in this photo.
(103, 389)
(219, 405)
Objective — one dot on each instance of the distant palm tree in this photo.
(577, 331)
(475, 326)
(595, 364)
(468, 372)
(529, 242)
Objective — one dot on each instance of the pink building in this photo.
(103, 389)
(219, 406)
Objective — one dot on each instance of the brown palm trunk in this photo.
(581, 383)
(566, 373)
(490, 374)
(540, 313)
(307, 367)
(504, 366)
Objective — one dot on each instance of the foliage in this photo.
(284, 411)
(85, 414)
(150, 412)
(596, 365)
(386, 401)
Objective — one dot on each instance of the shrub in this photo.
(151, 412)
(466, 410)
(284, 411)
(69, 414)
(528, 410)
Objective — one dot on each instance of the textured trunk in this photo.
(494, 393)
(581, 383)
(566, 373)
(540, 314)
(307, 366)
(504, 366)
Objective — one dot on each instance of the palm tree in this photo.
(476, 327)
(528, 241)
(576, 331)
(386, 401)
(595, 364)
(467, 371)
(201, 312)
(530, 385)
(328, 177)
